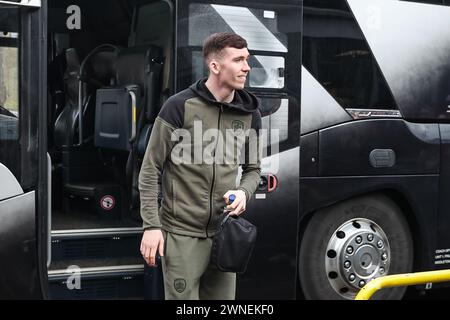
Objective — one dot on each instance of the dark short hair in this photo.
(216, 42)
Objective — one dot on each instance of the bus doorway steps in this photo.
(107, 262)
(96, 244)
(120, 282)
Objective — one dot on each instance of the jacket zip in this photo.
(214, 172)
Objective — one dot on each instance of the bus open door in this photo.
(23, 160)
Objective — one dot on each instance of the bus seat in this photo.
(80, 164)
(147, 63)
(153, 24)
(100, 73)
(113, 118)
(66, 121)
(117, 126)
(117, 132)
(143, 139)
(137, 72)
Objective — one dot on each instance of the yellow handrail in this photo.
(400, 280)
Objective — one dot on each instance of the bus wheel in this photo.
(346, 245)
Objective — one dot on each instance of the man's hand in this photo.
(152, 241)
(238, 205)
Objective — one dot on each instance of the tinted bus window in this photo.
(337, 55)
(19, 95)
(416, 66)
(9, 90)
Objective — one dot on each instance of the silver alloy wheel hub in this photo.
(357, 252)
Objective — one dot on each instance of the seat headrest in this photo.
(152, 24)
(103, 66)
(133, 63)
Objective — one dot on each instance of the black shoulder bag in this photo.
(233, 244)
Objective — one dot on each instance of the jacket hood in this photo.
(243, 100)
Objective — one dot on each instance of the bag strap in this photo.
(231, 198)
(224, 220)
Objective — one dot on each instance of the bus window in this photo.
(9, 75)
(275, 114)
(9, 89)
(267, 72)
(19, 99)
(338, 57)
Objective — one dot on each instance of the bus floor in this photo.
(81, 219)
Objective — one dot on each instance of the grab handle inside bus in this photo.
(133, 114)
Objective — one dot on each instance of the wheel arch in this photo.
(398, 197)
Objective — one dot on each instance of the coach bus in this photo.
(353, 179)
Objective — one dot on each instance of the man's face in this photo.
(233, 67)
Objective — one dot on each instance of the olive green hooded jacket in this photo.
(197, 144)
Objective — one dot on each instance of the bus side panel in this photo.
(442, 253)
(272, 269)
(18, 248)
(379, 147)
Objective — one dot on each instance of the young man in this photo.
(197, 178)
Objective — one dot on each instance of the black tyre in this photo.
(348, 244)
